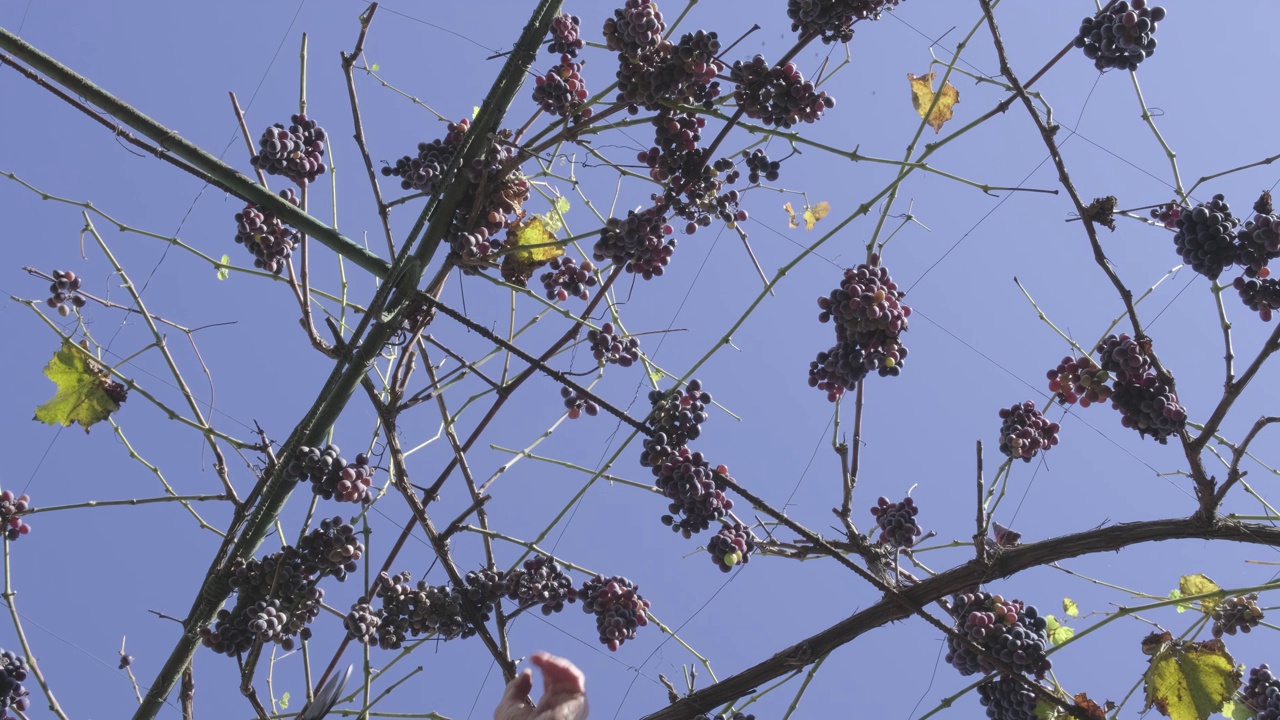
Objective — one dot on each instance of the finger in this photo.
(516, 704)
(564, 689)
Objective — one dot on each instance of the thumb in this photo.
(515, 704)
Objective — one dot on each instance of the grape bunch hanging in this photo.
(1122, 36)
(265, 235)
(331, 476)
(869, 320)
(296, 152)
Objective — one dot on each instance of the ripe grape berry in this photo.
(564, 36)
(576, 404)
(1007, 629)
(11, 509)
(759, 165)
(13, 696)
(1024, 432)
(265, 236)
(1262, 693)
(1007, 699)
(607, 347)
(1237, 614)
(833, 20)
(64, 288)
(1121, 37)
(1079, 380)
(1167, 214)
(1206, 237)
(731, 546)
(618, 607)
(897, 522)
(296, 152)
(567, 278)
(777, 95)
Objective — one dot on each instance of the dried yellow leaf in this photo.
(814, 214)
(922, 98)
(791, 216)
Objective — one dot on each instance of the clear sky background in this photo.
(85, 579)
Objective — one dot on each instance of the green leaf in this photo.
(1070, 608)
(223, 271)
(1236, 711)
(475, 110)
(562, 204)
(1199, 584)
(284, 699)
(86, 394)
(376, 67)
(1174, 595)
(1058, 633)
(1190, 680)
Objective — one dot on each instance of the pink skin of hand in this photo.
(564, 692)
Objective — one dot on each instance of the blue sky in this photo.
(85, 579)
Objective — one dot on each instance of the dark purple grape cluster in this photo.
(1009, 630)
(64, 289)
(397, 596)
(1262, 693)
(11, 509)
(1125, 358)
(1150, 407)
(618, 608)
(577, 404)
(1259, 244)
(635, 28)
(276, 600)
(760, 166)
(675, 152)
(566, 279)
(684, 72)
(331, 549)
(731, 546)
(1121, 37)
(695, 491)
(562, 91)
(1007, 699)
(505, 189)
(1237, 614)
(565, 39)
(778, 96)
(1024, 432)
(1206, 236)
(606, 347)
(541, 582)
(1079, 380)
(266, 236)
(473, 247)
(640, 241)
(438, 610)
(869, 320)
(424, 171)
(1261, 294)
(332, 477)
(13, 696)
(832, 20)
(897, 522)
(676, 419)
(1167, 214)
(297, 152)
(362, 622)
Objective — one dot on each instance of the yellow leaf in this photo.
(1199, 584)
(1069, 607)
(535, 233)
(791, 216)
(86, 393)
(1190, 680)
(922, 98)
(814, 214)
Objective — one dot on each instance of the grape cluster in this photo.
(676, 136)
(1079, 380)
(869, 322)
(331, 549)
(362, 622)
(1206, 237)
(1122, 37)
(64, 289)
(833, 20)
(540, 582)
(577, 404)
(266, 236)
(1262, 693)
(897, 522)
(565, 39)
(562, 91)
(676, 419)
(1167, 214)
(1259, 244)
(13, 696)
(641, 241)
(567, 278)
(777, 95)
(1150, 407)
(684, 72)
(635, 28)
(618, 608)
(1261, 295)
(1125, 358)
(276, 599)
(504, 191)
(424, 171)
(760, 166)
(1009, 630)
(1024, 431)
(1007, 699)
(606, 347)
(438, 610)
(297, 152)
(731, 546)
(11, 509)
(695, 489)
(331, 476)
(1237, 614)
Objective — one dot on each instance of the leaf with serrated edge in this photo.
(81, 396)
(1198, 584)
(1192, 680)
(1070, 608)
(922, 96)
